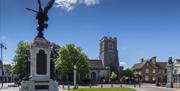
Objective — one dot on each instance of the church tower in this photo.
(109, 53)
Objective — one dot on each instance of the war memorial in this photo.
(40, 61)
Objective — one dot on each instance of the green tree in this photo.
(70, 56)
(127, 73)
(113, 75)
(21, 55)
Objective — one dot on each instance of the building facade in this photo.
(7, 76)
(100, 69)
(97, 71)
(176, 71)
(150, 71)
(173, 74)
(109, 54)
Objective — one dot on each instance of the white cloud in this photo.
(90, 2)
(71, 4)
(122, 63)
(66, 4)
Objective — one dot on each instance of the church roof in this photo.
(95, 63)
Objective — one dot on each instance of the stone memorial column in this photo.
(40, 67)
(40, 62)
(169, 66)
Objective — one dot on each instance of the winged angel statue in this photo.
(42, 16)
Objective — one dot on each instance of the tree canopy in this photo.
(69, 56)
(113, 75)
(21, 55)
(129, 73)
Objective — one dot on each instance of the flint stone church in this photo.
(100, 69)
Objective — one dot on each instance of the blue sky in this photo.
(144, 28)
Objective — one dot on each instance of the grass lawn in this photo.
(104, 89)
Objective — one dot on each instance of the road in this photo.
(152, 87)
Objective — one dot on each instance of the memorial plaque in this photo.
(41, 87)
(41, 66)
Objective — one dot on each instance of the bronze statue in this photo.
(170, 60)
(42, 16)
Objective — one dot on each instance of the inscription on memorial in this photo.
(41, 87)
(41, 63)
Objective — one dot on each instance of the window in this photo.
(98, 71)
(154, 71)
(147, 71)
(175, 71)
(147, 78)
(110, 47)
(175, 80)
(163, 71)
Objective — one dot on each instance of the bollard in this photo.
(121, 85)
(62, 86)
(135, 85)
(139, 85)
(77, 86)
(111, 85)
(89, 85)
(101, 85)
(68, 87)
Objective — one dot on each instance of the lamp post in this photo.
(2, 46)
(75, 71)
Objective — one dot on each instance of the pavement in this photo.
(144, 87)
(6, 88)
(151, 87)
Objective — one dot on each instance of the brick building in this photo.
(148, 70)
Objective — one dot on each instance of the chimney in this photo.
(153, 59)
(142, 60)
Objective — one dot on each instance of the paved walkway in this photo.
(17, 89)
(6, 88)
(152, 87)
(145, 87)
